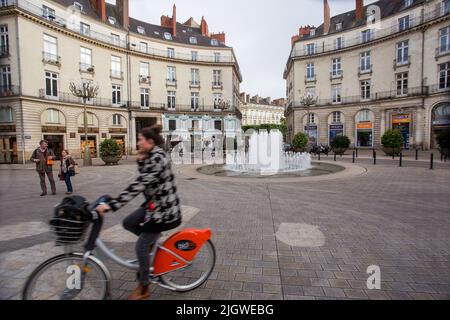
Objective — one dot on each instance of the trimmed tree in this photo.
(300, 142)
(340, 144)
(392, 142)
(110, 151)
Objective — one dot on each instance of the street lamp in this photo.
(85, 91)
(308, 100)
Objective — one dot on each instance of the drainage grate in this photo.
(190, 179)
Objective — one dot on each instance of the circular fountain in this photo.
(264, 157)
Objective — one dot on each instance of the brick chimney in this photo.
(304, 31)
(326, 17)
(204, 27)
(100, 7)
(174, 21)
(294, 39)
(166, 22)
(359, 10)
(123, 10)
(219, 37)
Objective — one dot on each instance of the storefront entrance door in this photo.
(8, 150)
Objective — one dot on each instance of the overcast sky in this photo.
(258, 30)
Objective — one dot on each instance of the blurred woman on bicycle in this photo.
(161, 210)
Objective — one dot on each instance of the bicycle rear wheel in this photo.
(194, 275)
(61, 278)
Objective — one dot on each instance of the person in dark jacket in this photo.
(67, 170)
(160, 212)
(44, 157)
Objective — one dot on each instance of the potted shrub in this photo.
(110, 152)
(443, 140)
(300, 142)
(392, 142)
(340, 144)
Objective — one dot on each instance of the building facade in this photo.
(256, 110)
(177, 74)
(381, 66)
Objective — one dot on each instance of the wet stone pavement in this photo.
(296, 240)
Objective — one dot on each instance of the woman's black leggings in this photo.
(133, 223)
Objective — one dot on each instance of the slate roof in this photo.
(184, 33)
(348, 19)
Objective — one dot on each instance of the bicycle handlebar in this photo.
(97, 221)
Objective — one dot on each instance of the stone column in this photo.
(133, 135)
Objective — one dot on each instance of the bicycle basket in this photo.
(71, 220)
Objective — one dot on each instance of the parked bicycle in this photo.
(181, 263)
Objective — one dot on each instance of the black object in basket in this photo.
(71, 219)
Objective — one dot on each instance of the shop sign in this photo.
(336, 127)
(53, 129)
(8, 128)
(401, 118)
(89, 130)
(118, 130)
(444, 122)
(311, 127)
(364, 125)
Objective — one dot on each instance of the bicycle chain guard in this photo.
(185, 244)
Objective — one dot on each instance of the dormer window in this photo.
(112, 20)
(312, 32)
(339, 26)
(193, 40)
(156, 32)
(141, 30)
(78, 6)
(167, 36)
(408, 3)
(214, 42)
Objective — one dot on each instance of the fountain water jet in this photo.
(266, 157)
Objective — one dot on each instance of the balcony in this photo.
(217, 85)
(51, 58)
(87, 68)
(379, 96)
(365, 71)
(312, 79)
(4, 51)
(9, 91)
(116, 74)
(439, 88)
(194, 84)
(137, 105)
(171, 83)
(337, 74)
(442, 51)
(404, 62)
(70, 98)
(145, 79)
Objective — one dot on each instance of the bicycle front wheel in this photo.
(194, 275)
(66, 277)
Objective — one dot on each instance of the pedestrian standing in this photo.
(67, 170)
(44, 159)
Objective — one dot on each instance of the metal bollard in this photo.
(353, 157)
(401, 160)
(357, 152)
(431, 161)
(374, 157)
(417, 154)
(319, 156)
(335, 157)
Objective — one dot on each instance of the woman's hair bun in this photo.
(157, 128)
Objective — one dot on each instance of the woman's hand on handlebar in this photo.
(102, 209)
